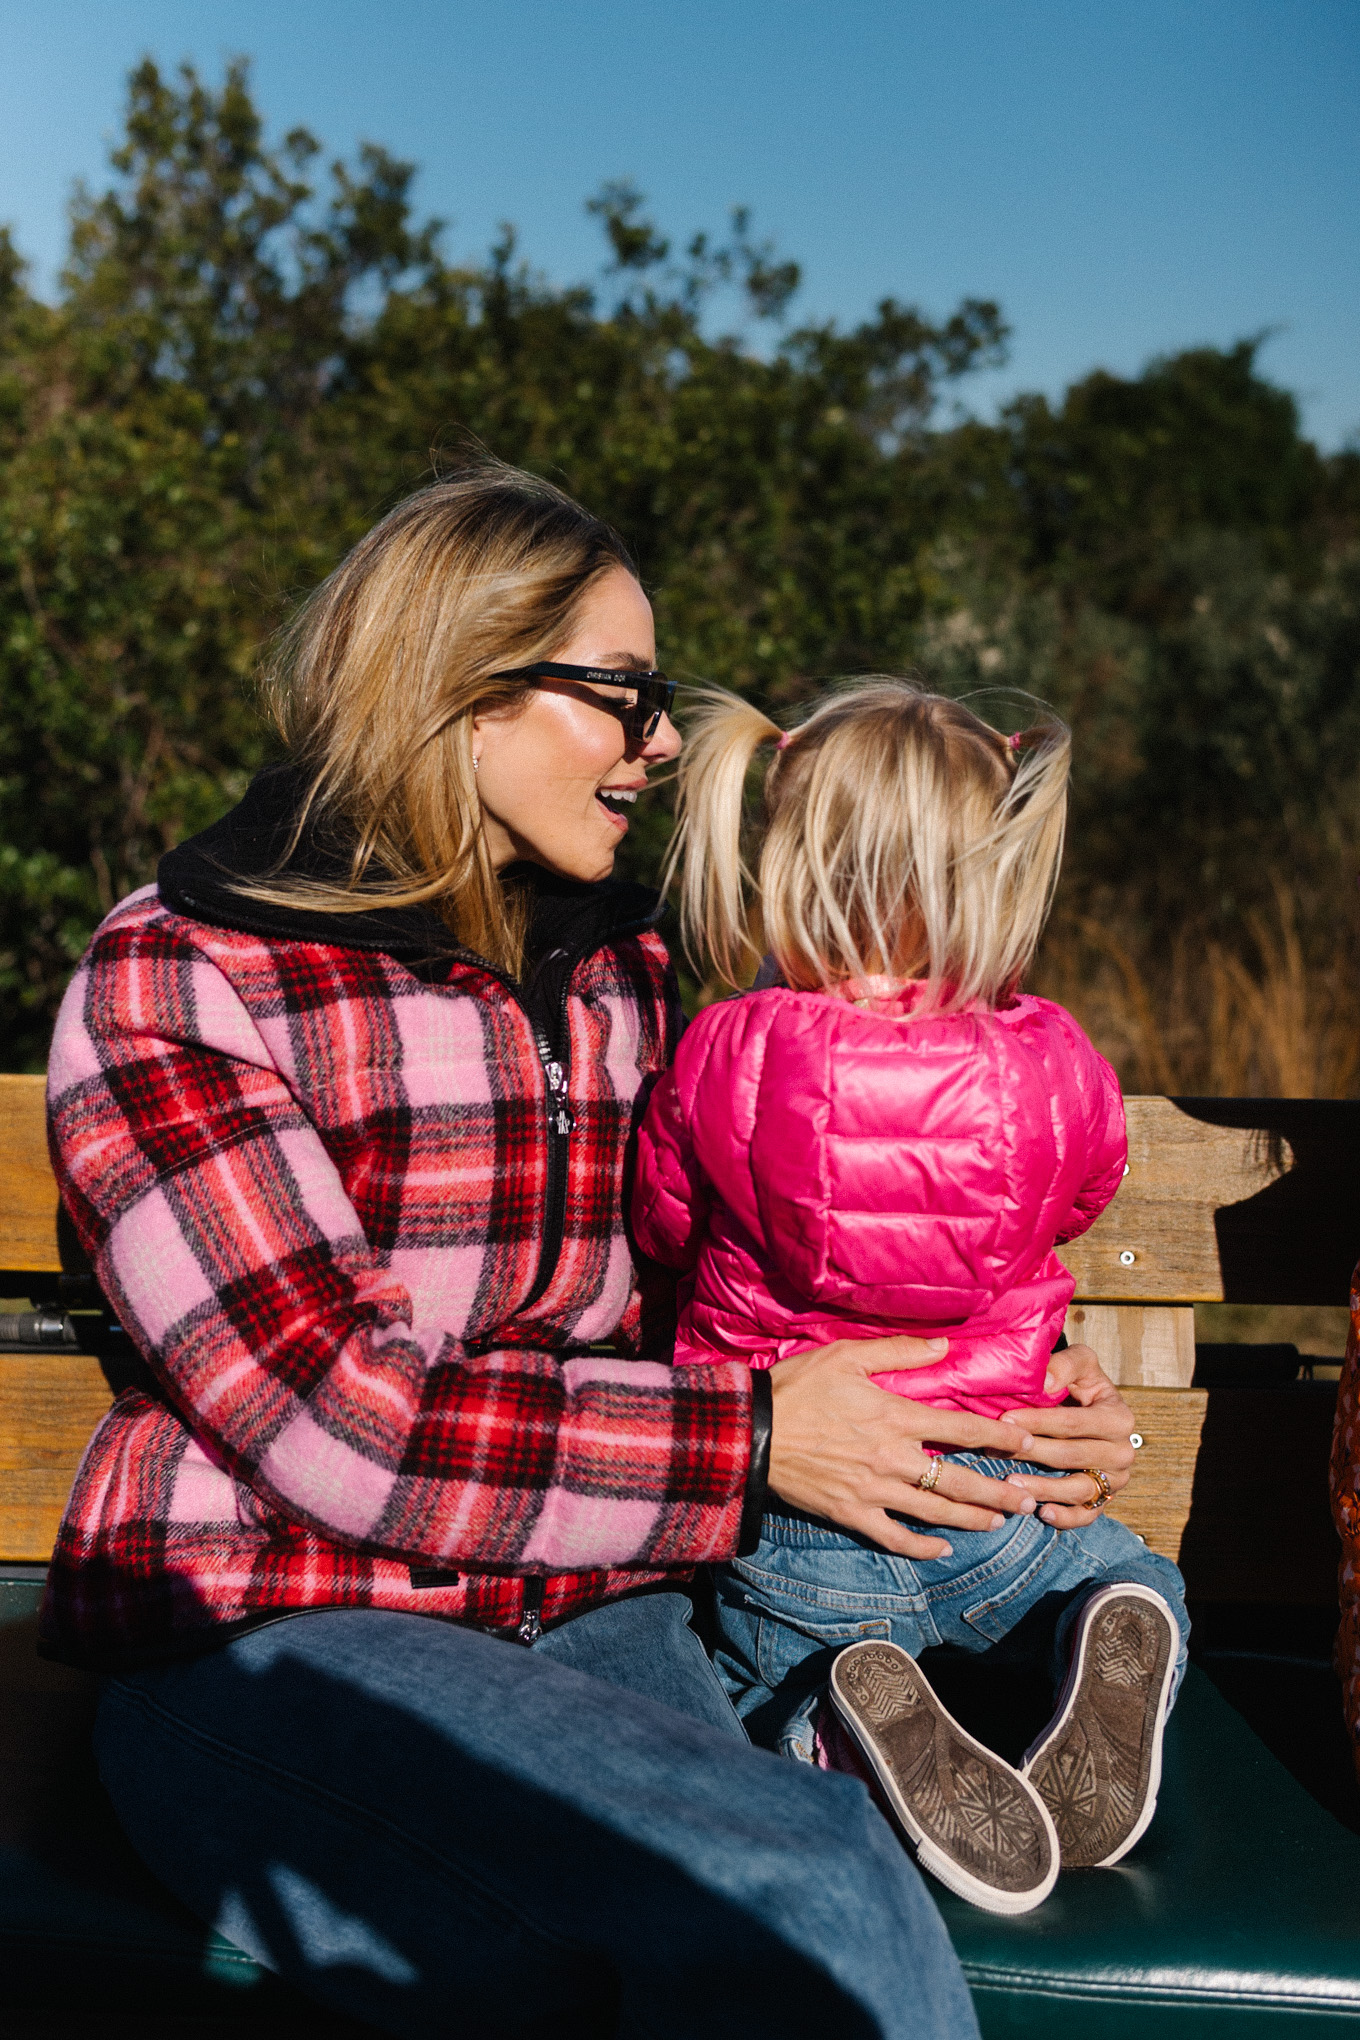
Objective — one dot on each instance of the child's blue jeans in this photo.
(810, 1589)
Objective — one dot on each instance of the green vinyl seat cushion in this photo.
(84, 1928)
(1238, 1912)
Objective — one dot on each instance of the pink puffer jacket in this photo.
(824, 1171)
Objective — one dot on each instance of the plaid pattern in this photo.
(312, 1184)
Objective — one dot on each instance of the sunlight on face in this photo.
(541, 769)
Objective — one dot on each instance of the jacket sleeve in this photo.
(227, 1246)
(670, 1204)
(1107, 1146)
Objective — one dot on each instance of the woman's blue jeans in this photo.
(1013, 1594)
(442, 1832)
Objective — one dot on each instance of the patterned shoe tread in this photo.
(1095, 1775)
(880, 1684)
(970, 1804)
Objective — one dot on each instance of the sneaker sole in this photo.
(1101, 1657)
(876, 1689)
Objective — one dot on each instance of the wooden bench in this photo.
(1241, 1908)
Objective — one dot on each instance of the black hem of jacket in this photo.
(758, 1467)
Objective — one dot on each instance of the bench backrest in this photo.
(1225, 1200)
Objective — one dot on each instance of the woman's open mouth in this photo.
(616, 801)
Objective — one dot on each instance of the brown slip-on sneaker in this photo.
(1098, 1764)
(973, 1821)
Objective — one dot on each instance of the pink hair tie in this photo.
(785, 741)
(1014, 740)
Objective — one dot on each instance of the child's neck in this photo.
(878, 989)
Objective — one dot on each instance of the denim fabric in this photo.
(809, 1589)
(436, 1830)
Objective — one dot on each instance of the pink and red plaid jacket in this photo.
(312, 1185)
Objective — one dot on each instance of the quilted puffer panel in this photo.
(869, 1171)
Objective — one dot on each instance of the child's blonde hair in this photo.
(903, 835)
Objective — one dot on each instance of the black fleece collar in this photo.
(199, 880)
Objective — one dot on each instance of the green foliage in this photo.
(254, 355)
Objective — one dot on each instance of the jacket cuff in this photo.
(758, 1467)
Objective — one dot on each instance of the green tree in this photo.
(253, 354)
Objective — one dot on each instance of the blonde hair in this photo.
(374, 685)
(903, 835)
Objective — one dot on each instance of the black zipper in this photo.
(531, 1616)
(556, 1063)
(561, 1120)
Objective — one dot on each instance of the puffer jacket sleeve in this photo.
(1104, 1132)
(695, 1142)
(670, 1204)
(227, 1246)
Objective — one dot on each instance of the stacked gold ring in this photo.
(930, 1479)
(1103, 1488)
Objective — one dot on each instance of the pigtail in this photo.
(1009, 876)
(716, 884)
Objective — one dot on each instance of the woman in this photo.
(340, 1110)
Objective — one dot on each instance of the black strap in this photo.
(758, 1466)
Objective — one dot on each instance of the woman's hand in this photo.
(849, 1451)
(1096, 1433)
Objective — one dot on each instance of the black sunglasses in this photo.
(654, 694)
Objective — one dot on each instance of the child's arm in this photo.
(670, 1206)
(1107, 1142)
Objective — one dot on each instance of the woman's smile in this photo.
(617, 801)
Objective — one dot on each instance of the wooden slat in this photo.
(1181, 1172)
(49, 1405)
(1138, 1345)
(1156, 1503)
(28, 1189)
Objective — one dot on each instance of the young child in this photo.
(893, 1138)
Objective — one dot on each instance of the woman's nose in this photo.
(664, 742)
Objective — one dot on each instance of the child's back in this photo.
(826, 1169)
(851, 1156)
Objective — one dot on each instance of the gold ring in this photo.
(1103, 1488)
(930, 1479)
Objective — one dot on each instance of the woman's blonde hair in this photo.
(903, 835)
(374, 685)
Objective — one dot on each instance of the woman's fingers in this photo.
(1069, 1454)
(960, 1487)
(1078, 1486)
(839, 1443)
(1076, 1371)
(843, 1449)
(1109, 1419)
(937, 1508)
(974, 1434)
(1066, 1519)
(890, 1535)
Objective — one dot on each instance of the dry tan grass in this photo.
(1185, 1016)
(1193, 1017)
(1314, 1328)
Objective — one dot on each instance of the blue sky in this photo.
(1127, 177)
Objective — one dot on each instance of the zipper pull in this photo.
(530, 1623)
(565, 1118)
